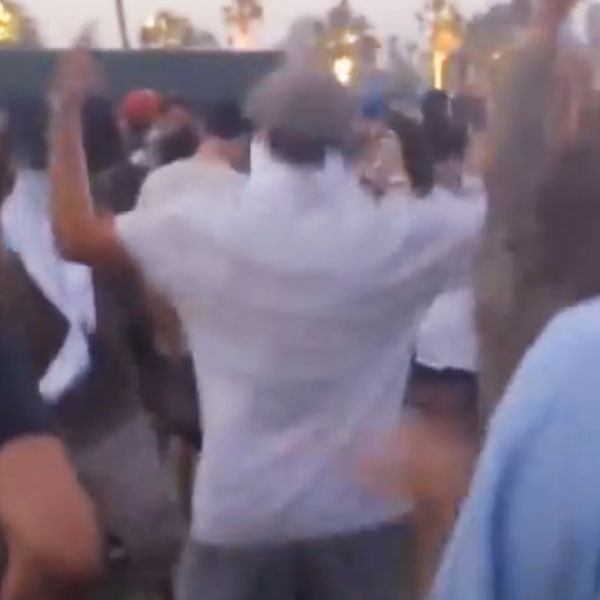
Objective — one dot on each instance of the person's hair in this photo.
(568, 219)
(304, 114)
(225, 120)
(102, 141)
(435, 106)
(175, 101)
(26, 134)
(178, 144)
(416, 154)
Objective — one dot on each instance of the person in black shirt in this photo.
(46, 520)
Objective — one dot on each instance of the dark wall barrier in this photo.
(201, 77)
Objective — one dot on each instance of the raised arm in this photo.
(81, 235)
(523, 127)
(532, 114)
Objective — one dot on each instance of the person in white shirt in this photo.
(211, 174)
(25, 224)
(446, 356)
(213, 167)
(299, 298)
(443, 395)
(442, 391)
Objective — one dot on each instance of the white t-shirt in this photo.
(447, 337)
(300, 298)
(209, 180)
(25, 221)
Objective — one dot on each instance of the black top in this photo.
(21, 409)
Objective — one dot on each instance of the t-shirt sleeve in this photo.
(22, 411)
(451, 230)
(147, 242)
(156, 189)
(160, 242)
(440, 237)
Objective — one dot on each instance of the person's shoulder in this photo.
(568, 345)
(575, 330)
(168, 219)
(171, 172)
(573, 337)
(161, 183)
(191, 170)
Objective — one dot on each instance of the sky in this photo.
(61, 20)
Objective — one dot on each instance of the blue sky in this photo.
(60, 20)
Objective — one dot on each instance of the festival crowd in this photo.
(309, 348)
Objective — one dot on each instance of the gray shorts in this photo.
(370, 565)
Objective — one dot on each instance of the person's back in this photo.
(184, 176)
(301, 326)
(209, 174)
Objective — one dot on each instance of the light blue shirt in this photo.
(530, 529)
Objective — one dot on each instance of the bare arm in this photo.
(519, 137)
(82, 236)
(47, 519)
(512, 301)
(539, 93)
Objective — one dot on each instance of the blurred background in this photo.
(398, 48)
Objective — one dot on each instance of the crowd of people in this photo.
(308, 348)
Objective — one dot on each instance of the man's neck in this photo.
(210, 151)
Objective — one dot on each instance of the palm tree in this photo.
(240, 16)
(488, 34)
(167, 29)
(345, 34)
(17, 27)
(122, 19)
